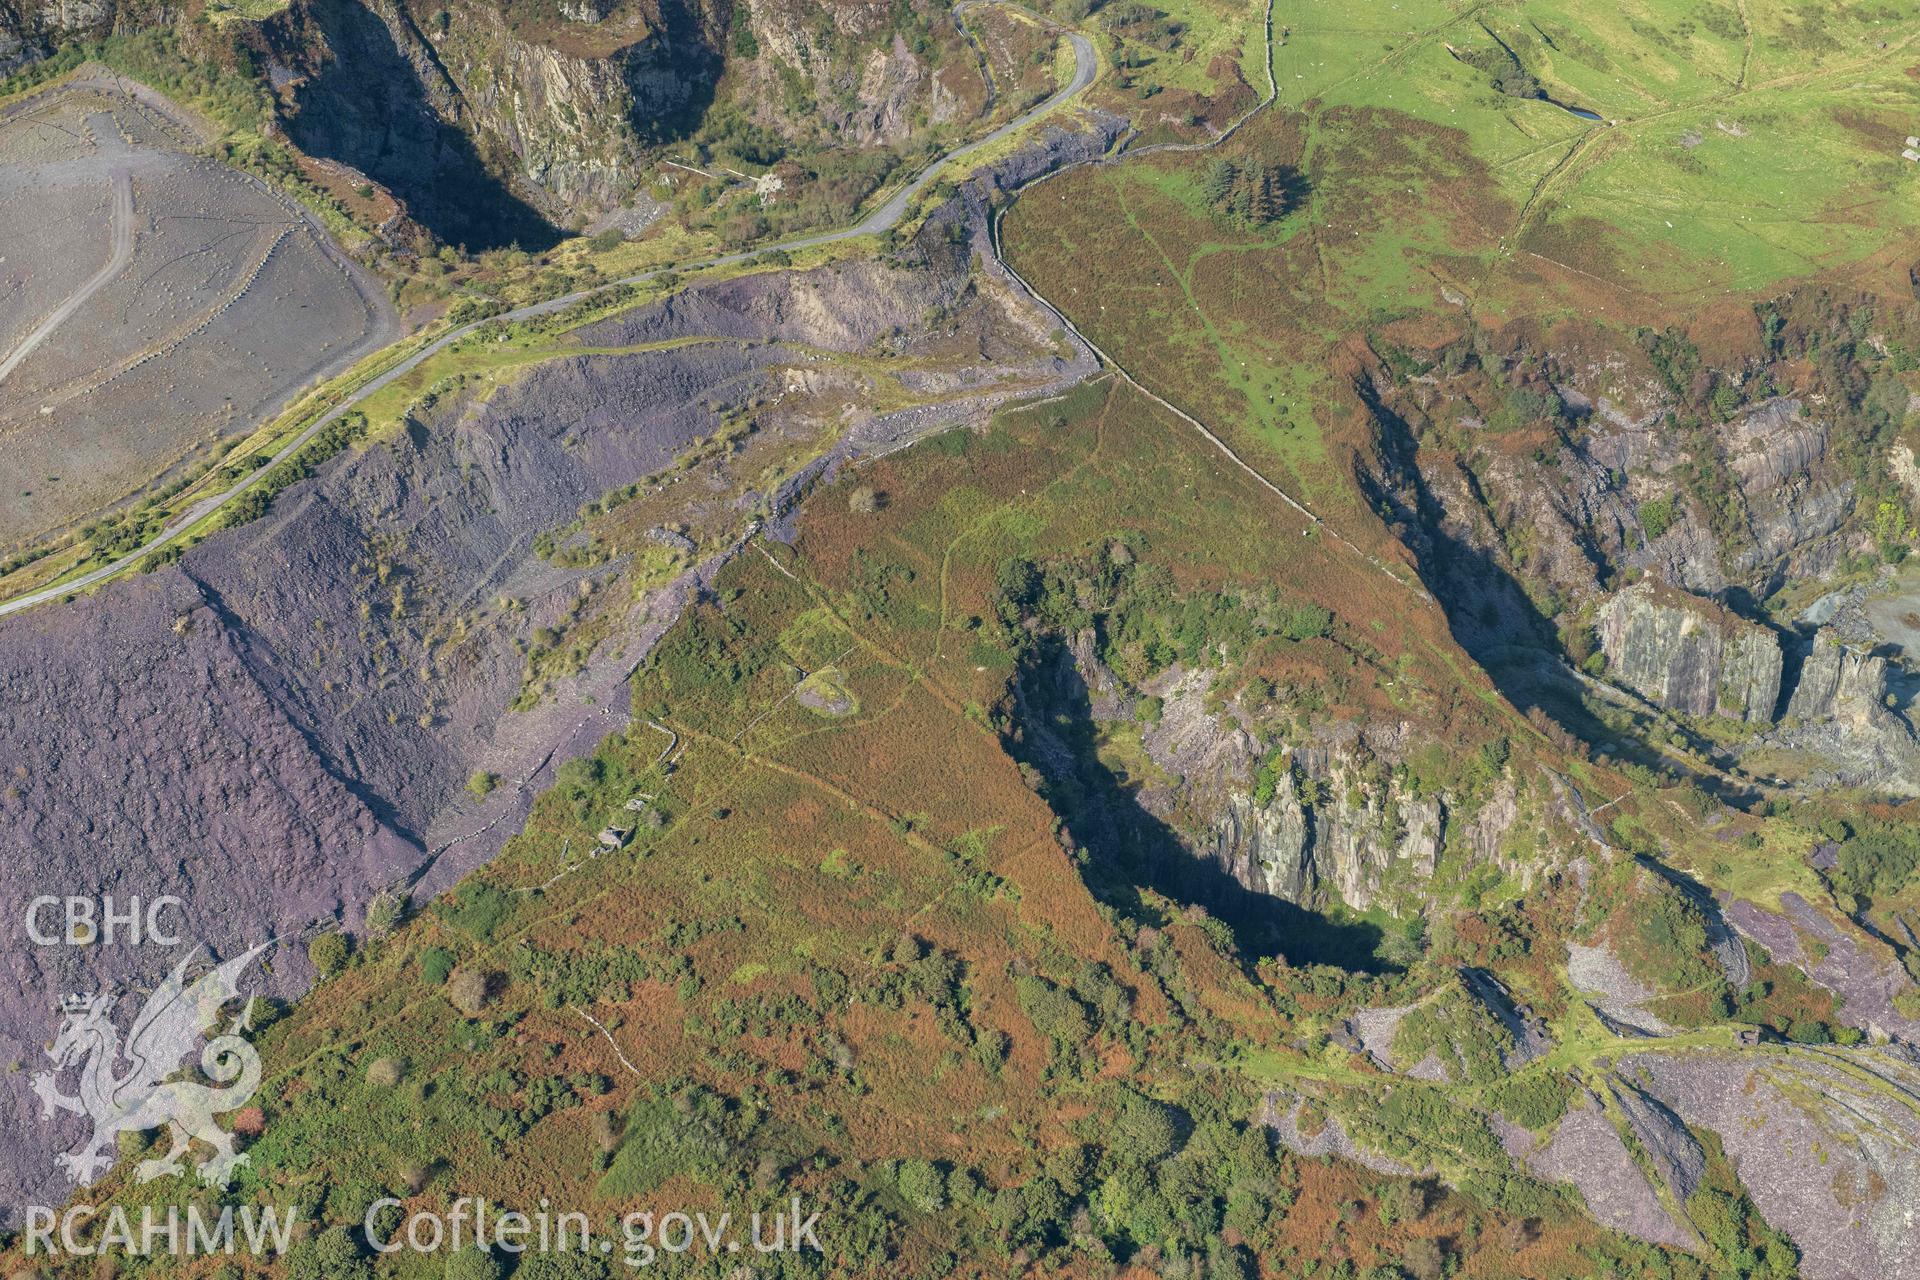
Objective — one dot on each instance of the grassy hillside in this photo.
(845, 954)
(1733, 161)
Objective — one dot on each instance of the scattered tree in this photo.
(385, 912)
(470, 990)
(387, 1072)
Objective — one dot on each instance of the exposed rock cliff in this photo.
(1795, 500)
(1339, 825)
(32, 29)
(575, 121)
(499, 123)
(1689, 655)
(1838, 679)
(1526, 519)
(487, 133)
(1842, 712)
(854, 71)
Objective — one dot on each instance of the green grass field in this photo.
(1743, 146)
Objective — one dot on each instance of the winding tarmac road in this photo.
(884, 218)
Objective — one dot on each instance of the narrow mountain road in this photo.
(884, 218)
(118, 256)
(1206, 433)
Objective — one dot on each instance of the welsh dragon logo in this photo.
(123, 1088)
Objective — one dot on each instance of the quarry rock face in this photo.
(574, 122)
(1839, 679)
(542, 124)
(31, 30)
(453, 105)
(1363, 825)
(1795, 498)
(1583, 507)
(1688, 655)
(366, 86)
(1269, 850)
(1498, 531)
(493, 128)
(1843, 714)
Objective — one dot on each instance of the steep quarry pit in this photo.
(1365, 832)
(284, 722)
(1850, 666)
(503, 124)
(1499, 530)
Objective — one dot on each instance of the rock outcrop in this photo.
(866, 84)
(1363, 826)
(1689, 655)
(575, 117)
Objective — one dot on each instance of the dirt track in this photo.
(118, 258)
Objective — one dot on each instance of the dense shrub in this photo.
(477, 908)
(328, 953)
(436, 964)
(1880, 857)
